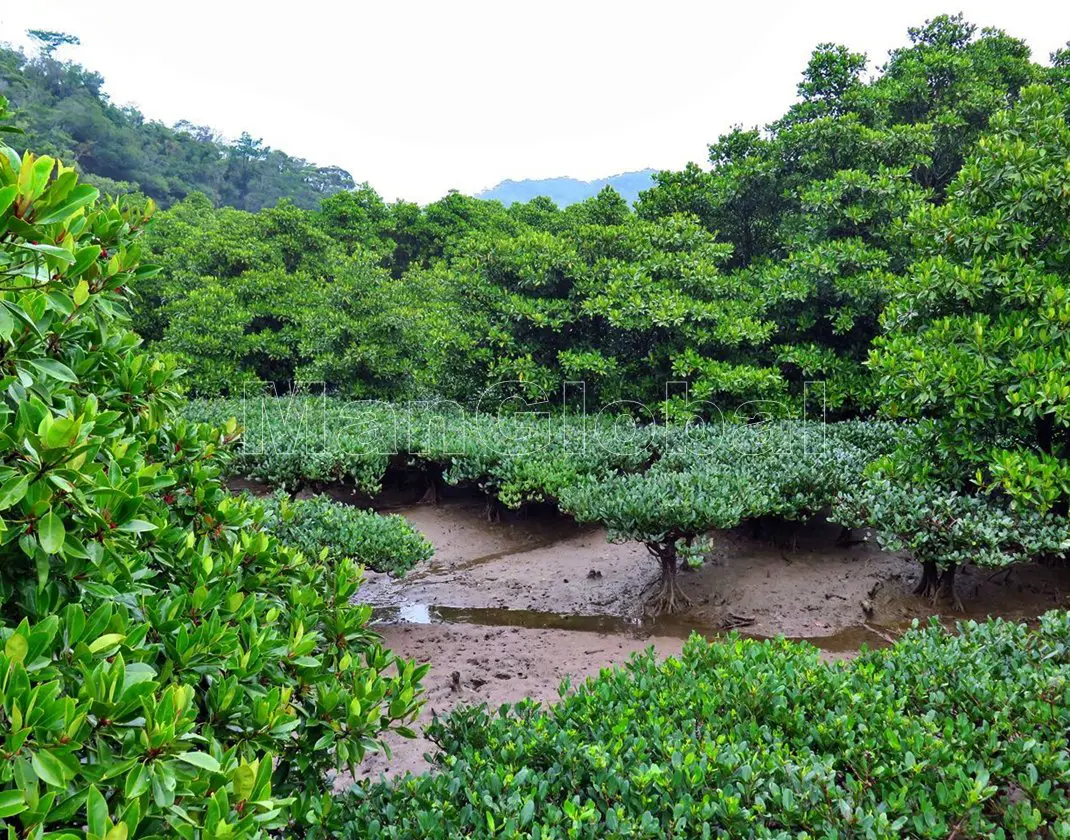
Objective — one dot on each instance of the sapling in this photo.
(669, 512)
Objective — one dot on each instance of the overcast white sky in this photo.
(420, 97)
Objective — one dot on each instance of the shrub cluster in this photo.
(716, 477)
(519, 458)
(168, 668)
(665, 486)
(320, 525)
(942, 735)
(791, 469)
(943, 528)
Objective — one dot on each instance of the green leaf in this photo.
(58, 370)
(59, 434)
(49, 769)
(16, 648)
(13, 490)
(136, 526)
(81, 292)
(51, 533)
(96, 811)
(243, 779)
(118, 832)
(7, 324)
(106, 641)
(199, 759)
(20, 315)
(80, 196)
(12, 802)
(61, 254)
(12, 156)
(83, 259)
(137, 781)
(8, 196)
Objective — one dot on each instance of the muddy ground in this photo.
(506, 610)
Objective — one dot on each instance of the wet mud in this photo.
(506, 610)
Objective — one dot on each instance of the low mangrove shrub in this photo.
(663, 485)
(381, 543)
(944, 528)
(944, 734)
(717, 476)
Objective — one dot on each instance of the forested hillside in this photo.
(64, 111)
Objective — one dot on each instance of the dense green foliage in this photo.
(978, 331)
(318, 524)
(178, 661)
(64, 112)
(894, 245)
(284, 294)
(519, 458)
(666, 486)
(977, 342)
(746, 280)
(810, 206)
(168, 667)
(943, 528)
(717, 477)
(940, 736)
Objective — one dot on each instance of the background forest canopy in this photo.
(747, 278)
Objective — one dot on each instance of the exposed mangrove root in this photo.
(946, 593)
(930, 578)
(670, 597)
(890, 639)
(939, 586)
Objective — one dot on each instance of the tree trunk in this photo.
(670, 598)
(947, 593)
(430, 496)
(938, 586)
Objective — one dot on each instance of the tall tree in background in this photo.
(749, 279)
(978, 330)
(809, 205)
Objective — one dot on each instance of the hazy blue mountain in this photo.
(566, 191)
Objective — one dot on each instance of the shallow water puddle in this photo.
(849, 639)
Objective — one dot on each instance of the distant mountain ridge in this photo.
(566, 191)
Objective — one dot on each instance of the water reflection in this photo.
(676, 626)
